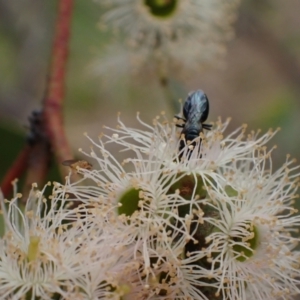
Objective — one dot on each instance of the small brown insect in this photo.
(75, 164)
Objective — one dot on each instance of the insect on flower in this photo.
(195, 112)
(75, 164)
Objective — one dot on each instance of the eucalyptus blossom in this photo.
(38, 252)
(203, 219)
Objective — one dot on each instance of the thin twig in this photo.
(15, 171)
(38, 168)
(40, 154)
(35, 158)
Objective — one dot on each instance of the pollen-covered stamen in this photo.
(243, 241)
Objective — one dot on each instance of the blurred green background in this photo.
(259, 84)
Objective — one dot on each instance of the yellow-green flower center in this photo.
(33, 248)
(129, 202)
(161, 8)
(123, 289)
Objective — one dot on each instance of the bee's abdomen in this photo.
(191, 133)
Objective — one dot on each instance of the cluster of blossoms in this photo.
(166, 36)
(213, 221)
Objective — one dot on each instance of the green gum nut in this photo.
(161, 8)
(244, 251)
(129, 202)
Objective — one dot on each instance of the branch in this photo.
(40, 154)
(15, 171)
(53, 103)
(35, 158)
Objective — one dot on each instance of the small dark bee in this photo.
(195, 112)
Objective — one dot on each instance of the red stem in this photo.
(15, 171)
(52, 110)
(53, 103)
(38, 168)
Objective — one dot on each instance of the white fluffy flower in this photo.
(107, 265)
(215, 149)
(234, 242)
(39, 253)
(211, 220)
(171, 34)
(252, 249)
(135, 198)
(153, 204)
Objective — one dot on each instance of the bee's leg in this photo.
(207, 126)
(180, 118)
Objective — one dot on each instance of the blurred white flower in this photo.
(252, 249)
(170, 34)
